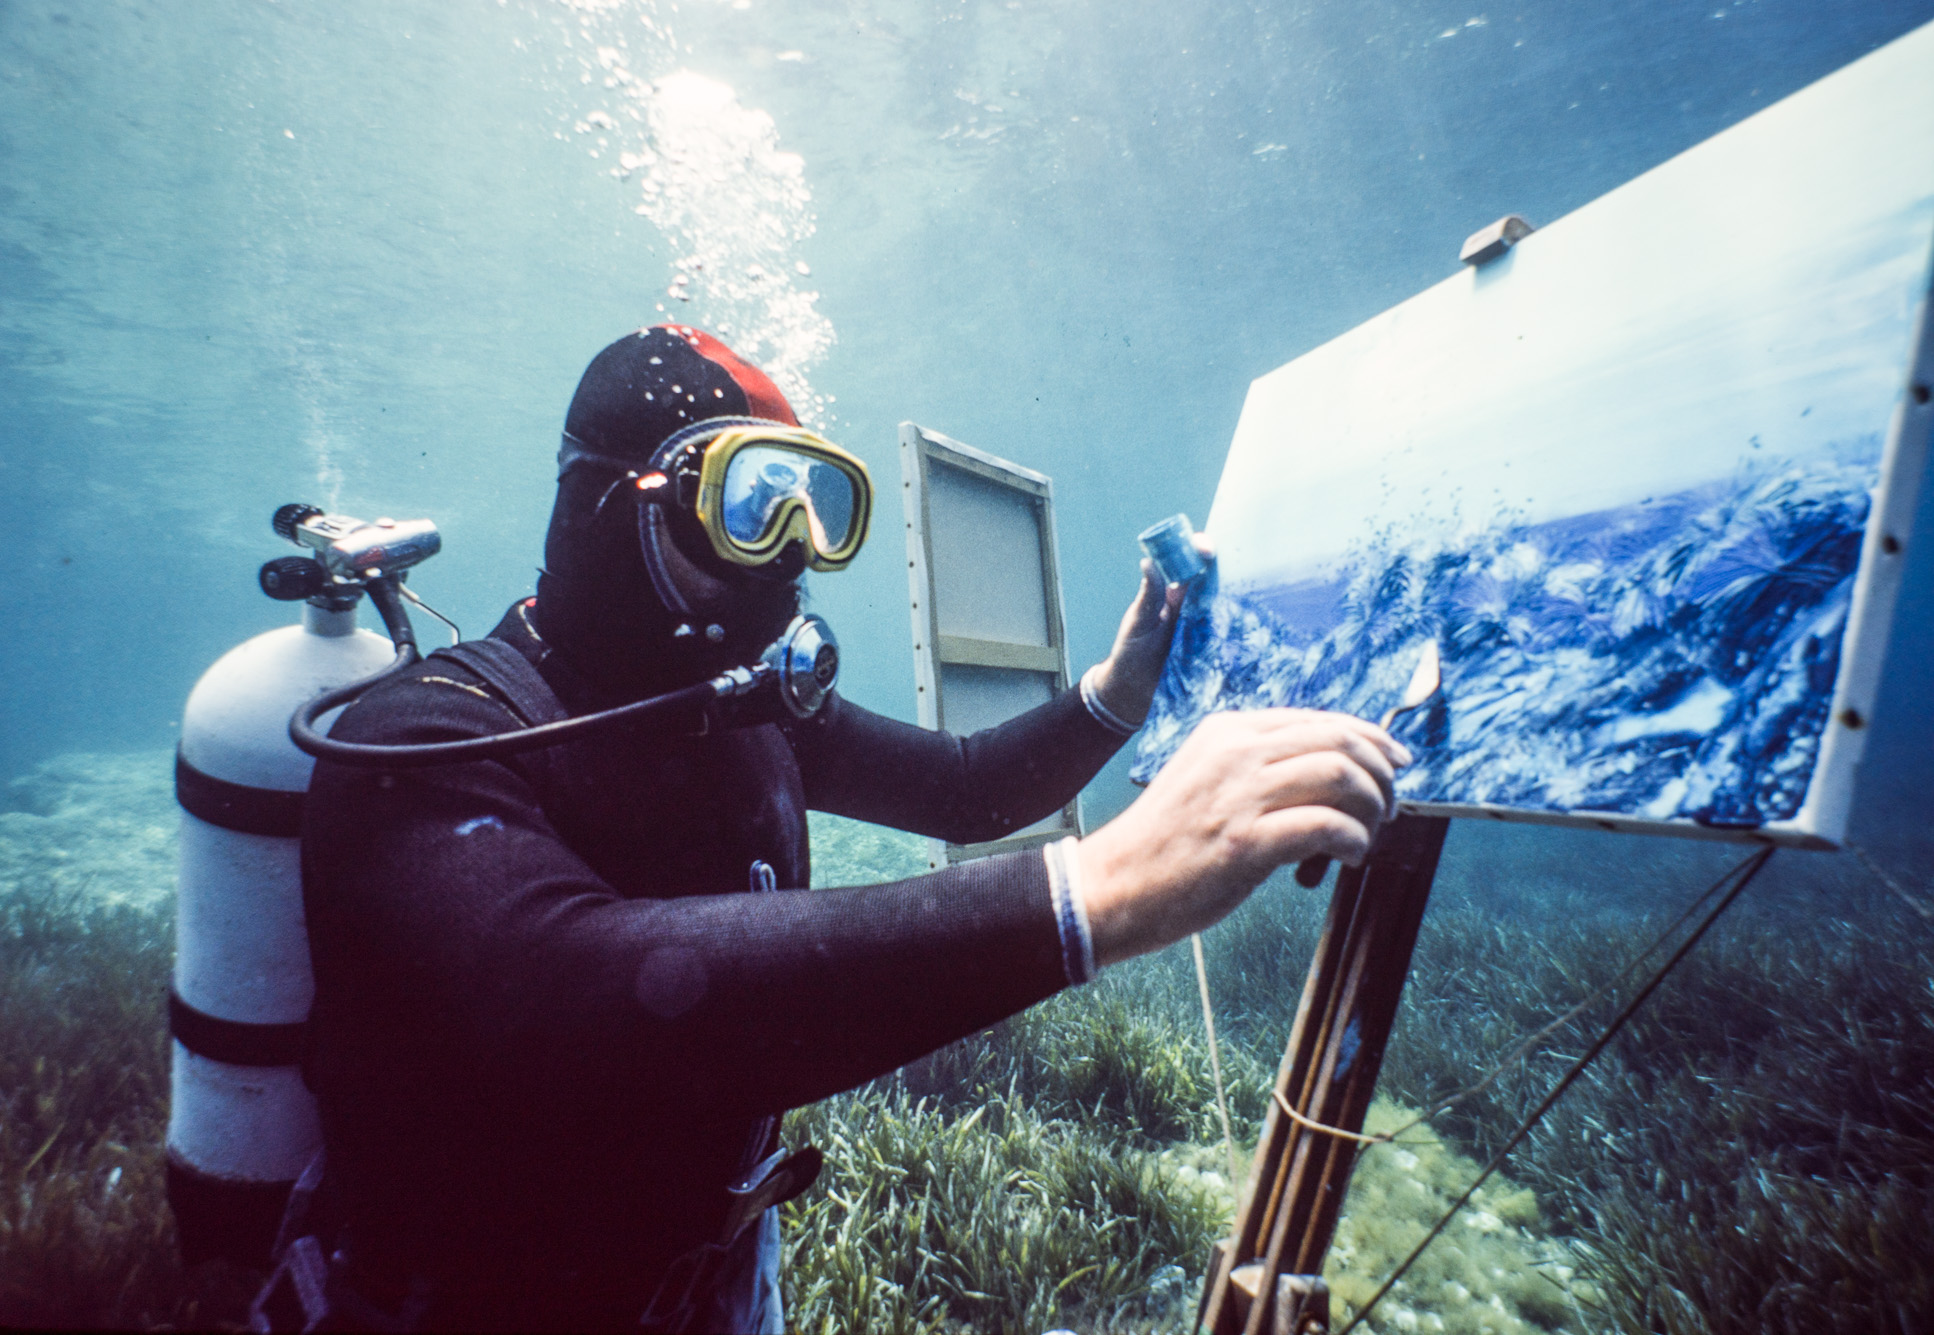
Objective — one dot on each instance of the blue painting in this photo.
(1623, 479)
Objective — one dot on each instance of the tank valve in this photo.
(349, 553)
(288, 516)
(290, 579)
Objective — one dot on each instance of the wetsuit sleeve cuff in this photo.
(1106, 717)
(1070, 910)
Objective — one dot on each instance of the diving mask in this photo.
(763, 488)
(756, 487)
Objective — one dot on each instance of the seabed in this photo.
(1756, 1153)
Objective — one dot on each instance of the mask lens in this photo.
(758, 481)
(761, 478)
(831, 494)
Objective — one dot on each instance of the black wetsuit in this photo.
(549, 1017)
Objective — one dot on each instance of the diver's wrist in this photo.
(1103, 699)
(1070, 909)
(1110, 892)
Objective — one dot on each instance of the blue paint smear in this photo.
(1672, 659)
(1347, 1047)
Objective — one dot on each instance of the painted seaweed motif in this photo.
(1672, 658)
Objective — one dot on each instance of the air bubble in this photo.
(702, 156)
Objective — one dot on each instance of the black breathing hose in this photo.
(389, 603)
(302, 726)
(302, 729)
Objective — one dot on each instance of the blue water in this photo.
(1671, 659)
(358, 253)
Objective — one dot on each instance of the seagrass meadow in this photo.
(1755, 1153)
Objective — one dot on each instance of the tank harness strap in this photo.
(520, 686)
(512, 676)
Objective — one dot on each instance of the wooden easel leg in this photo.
(1329, 1072)
(1302, 1305)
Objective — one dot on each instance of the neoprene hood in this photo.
(597, 604)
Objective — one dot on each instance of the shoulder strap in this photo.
(517, 682)
(512, 676)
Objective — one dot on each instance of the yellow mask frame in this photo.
(792, 520)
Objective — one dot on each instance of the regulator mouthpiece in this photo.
(349, 553)
(805, 662)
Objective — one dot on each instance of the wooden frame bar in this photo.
(1328, 1075)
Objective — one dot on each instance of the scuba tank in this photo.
(242, 1126)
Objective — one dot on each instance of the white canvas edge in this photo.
(978, 456)
(926, 679)
(1831, 794)
(1784, 834)
(913, 487)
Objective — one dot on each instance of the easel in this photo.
(1267, 1276)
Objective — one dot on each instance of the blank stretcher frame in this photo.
(989, 639)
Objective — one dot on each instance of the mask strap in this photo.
(571, 451)
(651, 539)
(599, 508)
(702, 430)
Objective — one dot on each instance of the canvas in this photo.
(989, 627)
(1644, 481)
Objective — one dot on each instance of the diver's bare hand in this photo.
(1248, 792)
(1126, 679)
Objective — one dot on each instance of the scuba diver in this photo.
(563, 997)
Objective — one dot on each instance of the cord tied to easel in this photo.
(1745, 872)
